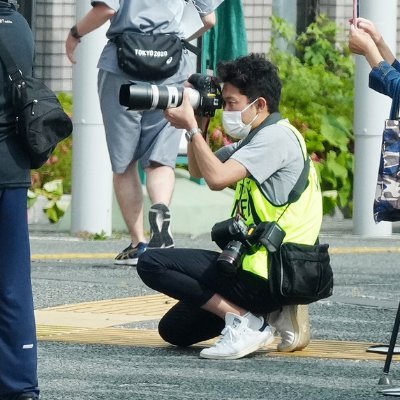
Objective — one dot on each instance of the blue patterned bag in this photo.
(387, 195)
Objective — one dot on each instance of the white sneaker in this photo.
(293, 325)
(238, 339)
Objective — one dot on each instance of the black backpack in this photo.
(41, 121)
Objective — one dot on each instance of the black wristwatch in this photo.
(189, 134)
(74, 32)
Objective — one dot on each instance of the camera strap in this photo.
(302, 181)
(270, 120)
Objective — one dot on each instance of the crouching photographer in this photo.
(227, 293)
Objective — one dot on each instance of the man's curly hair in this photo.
(255, 77)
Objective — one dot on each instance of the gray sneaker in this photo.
(130, 255)
(238, 340)
(293, 325)
(159, 219)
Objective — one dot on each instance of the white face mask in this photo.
(233, 124)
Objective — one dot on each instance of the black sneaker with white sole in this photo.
(160, 219)
(130, 255)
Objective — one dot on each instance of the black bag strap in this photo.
(194, 49)
(14, 73)
(302, 181)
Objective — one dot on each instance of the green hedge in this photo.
(318, 98)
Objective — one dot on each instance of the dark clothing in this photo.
(385, 78)
(18, 350)
(14, 161)
(184, 325)
(14, 164)
(193, 277)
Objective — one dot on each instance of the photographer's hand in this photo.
(182, 117)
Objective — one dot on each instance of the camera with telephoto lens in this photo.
(236, 239)
(205, 96)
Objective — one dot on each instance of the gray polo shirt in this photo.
(149, 16)
(273, 158)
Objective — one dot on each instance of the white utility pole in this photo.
(91, 205)
(370, 111)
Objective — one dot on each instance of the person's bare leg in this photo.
(128, 190)
(220, 306)
(160, 183)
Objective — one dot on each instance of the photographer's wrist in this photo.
(191, 133)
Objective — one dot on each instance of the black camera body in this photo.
(236, 239)
(205, 96)
(210, 94)
(271, 236)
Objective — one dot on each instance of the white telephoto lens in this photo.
(173, 97)
(194, 97)
(155, 98)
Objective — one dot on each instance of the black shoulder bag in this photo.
(40, 119)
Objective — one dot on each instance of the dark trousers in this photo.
(192, 276)
(18, 352)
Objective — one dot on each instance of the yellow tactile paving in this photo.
(73, 256)
(150, 338)
(97, 323)
(111, 256)
(106, 313)
(146, 305)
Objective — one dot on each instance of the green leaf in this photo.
(328, 204)
(334, 130)
(53, 212)
(54, 187)
(336, 167)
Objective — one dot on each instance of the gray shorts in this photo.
(134, 135)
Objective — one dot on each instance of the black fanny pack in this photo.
(149, 56)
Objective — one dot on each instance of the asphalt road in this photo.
(362, 309)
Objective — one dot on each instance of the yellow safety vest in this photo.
(301, 221)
